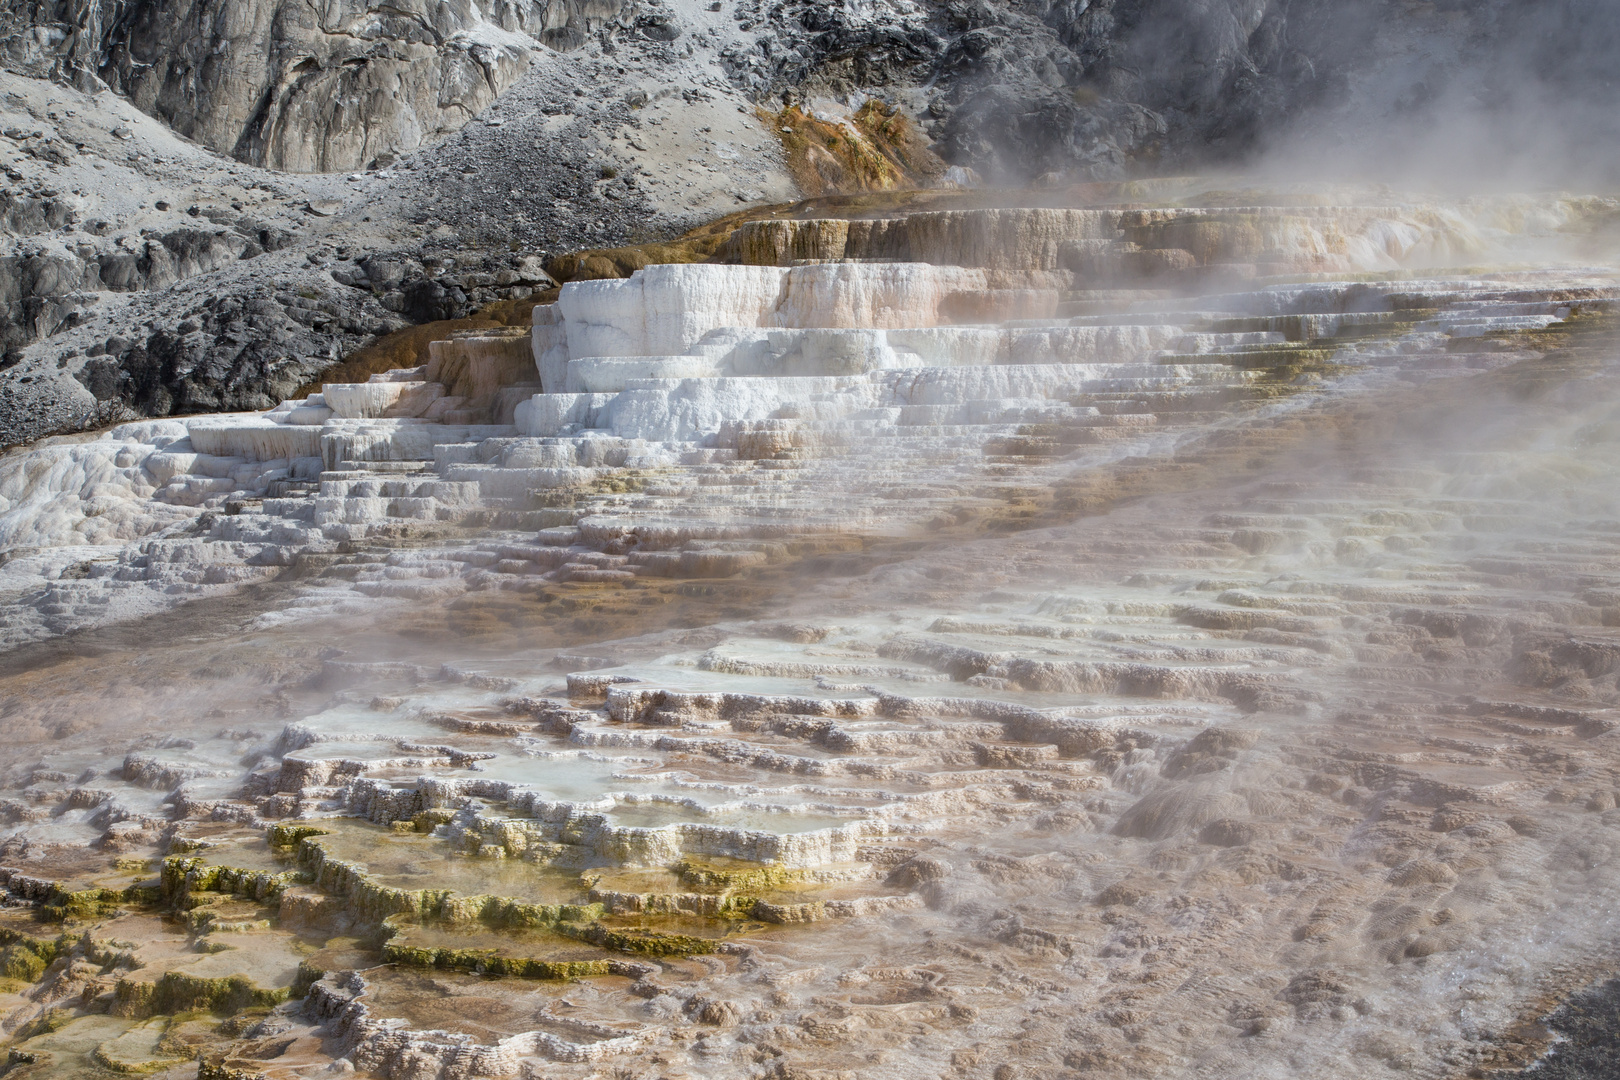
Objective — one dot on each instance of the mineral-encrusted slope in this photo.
(744, 389)
(1322, 732)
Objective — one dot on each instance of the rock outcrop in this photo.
(296, 88)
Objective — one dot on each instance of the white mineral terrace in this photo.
(1138, 642)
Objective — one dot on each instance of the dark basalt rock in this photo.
(43, 294)
(232, 353)
(428, 301)
(1011, 135)
(1588, 1025)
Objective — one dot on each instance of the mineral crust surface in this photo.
(1163, 631)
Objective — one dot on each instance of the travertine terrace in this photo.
(1112, 639)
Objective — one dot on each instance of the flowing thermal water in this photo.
(993, 643)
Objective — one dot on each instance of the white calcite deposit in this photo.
(695, 377)
(1136, 647)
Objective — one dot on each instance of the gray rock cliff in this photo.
(293, 86)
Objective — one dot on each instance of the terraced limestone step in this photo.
(695, 403)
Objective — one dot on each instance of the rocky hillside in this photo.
(1013, 88)
(207, 206)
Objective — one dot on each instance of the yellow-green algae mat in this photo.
(213, 940)
(95, 1044)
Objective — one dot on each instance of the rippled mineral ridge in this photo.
(1108, 640)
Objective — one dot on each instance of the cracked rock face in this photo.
(313, 89)
(300, 88)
